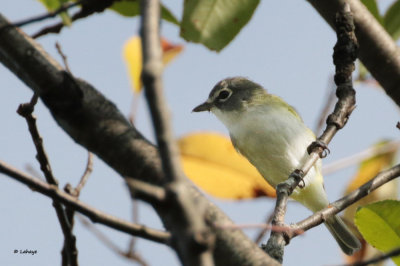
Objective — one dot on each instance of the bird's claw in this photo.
(319, 144)
(298, 175)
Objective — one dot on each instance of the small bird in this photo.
(273, 137)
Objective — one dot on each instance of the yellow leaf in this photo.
(367, 170)
(133, 59)
(132, 53)
(211, 162)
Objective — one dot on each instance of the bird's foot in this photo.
(319, 144)
(298, 175)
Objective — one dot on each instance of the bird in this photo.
(273, 137)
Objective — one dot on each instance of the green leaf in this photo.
(131, 8)
(379, 224)
(215, 23)
(52, 5)
(392, 20)
(373, 8)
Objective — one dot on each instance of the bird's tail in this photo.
(346, 240)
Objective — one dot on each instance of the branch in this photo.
(107, 242)
(357, 158)
(378, 52)
(194, 239)
(339, 205)
(343, 57)
(96, 124)
(89, 7)
(50, 14)
(70, 252)
(95, 215)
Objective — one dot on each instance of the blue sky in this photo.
(286, 47)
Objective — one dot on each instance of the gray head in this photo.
(231, 94)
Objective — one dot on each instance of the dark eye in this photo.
(223, 95)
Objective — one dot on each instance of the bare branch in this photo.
(194, 239)
(85, 176)
(64, 57)
(265, 230)
(344, 55)
(147, 192)
(339, 205)
(95, 215)
(378, 51)
(329, 101)
(89, 7)
(107, 242)
(391, 146)
(70, 253)
(50, 14)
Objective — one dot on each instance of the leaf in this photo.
(369, 168)
(215, 23)
(211, 162)
(131, 8)
(52, 5)
(132, 53)
(170, 51)
(373, 8)
(379, 224)
(392, 20)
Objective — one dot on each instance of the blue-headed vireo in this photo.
(273, 137)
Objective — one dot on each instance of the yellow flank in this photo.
(211, 162)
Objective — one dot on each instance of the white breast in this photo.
(274, 141)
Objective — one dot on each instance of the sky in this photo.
(287, 47)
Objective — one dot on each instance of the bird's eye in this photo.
(224, 95)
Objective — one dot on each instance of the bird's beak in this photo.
(206, 106)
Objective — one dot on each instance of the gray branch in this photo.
(52, 191)
(378, 52)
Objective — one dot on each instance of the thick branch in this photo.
(194, 239)
(95, 123)
(378, 52)
(95, 215)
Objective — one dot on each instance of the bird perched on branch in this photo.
(272, 136)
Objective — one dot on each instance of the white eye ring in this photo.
(223, 95)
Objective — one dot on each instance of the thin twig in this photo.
(345, 53)
(135, 220)
(107, 242)
(286, 229)
(64, 57)
(93, 214)
(385, 256)
(265, 230)
(361, 156)
(70, 253)
(89, 7)
(47, 15)
(85, 176)
(145, 191)
(329, 101)
(339, 205)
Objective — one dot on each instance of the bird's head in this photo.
(232, 95)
